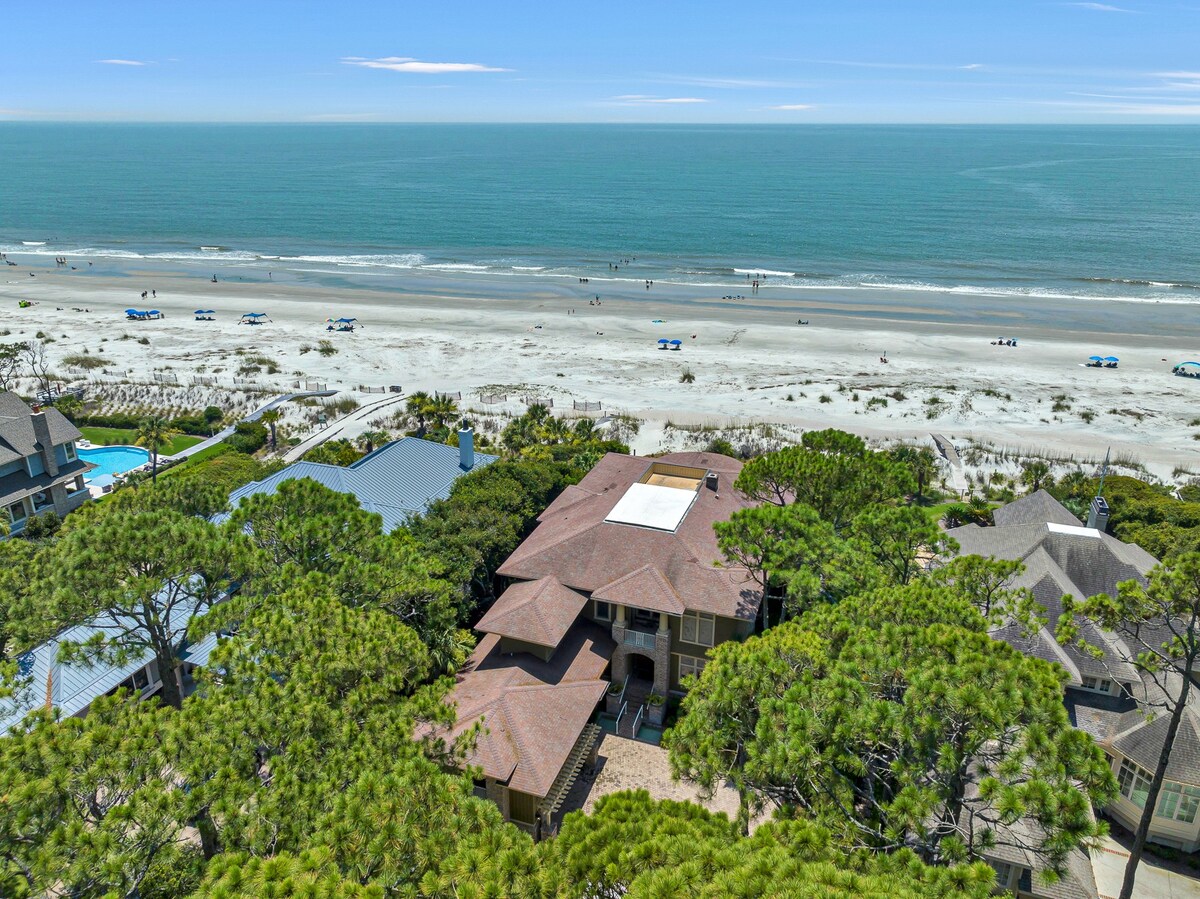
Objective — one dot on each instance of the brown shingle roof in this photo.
(533, 711)
(539, 612)
(645, 588)
(574, 543)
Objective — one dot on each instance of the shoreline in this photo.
(469, 333)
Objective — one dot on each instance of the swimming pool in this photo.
(113, 460)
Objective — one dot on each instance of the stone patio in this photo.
(624, 764)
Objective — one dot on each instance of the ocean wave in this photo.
(454, 267)
(764, 271)
(400, 260)
(33, 243)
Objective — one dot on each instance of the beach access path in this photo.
(333, 429)
(957, 480)
(253, 416)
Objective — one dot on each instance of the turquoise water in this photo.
(113, 460)
(1107, 212)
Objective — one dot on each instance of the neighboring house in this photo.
(398, 480)
(40, 470)
(620, 582)
(1105, 696)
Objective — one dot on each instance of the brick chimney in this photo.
(41, 430)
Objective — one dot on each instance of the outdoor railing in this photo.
(620, 714)
(640, 639)
(638, 720)
(624, 687)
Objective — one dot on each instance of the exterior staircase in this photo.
(636, 694)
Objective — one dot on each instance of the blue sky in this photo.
(652, 61)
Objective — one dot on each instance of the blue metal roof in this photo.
(74, 686)
(398, 480)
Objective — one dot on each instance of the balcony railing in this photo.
(639, 638)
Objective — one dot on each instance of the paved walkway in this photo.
(1154, 881)
(632, 765)
(253, 416)
(342, 424)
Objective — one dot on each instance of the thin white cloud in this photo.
(408, 64)
(1098, 7)
(790, 106)
(642, 98)
(120, 62)
(972, 67)
(724, 83)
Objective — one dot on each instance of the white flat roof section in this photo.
(1072, 530)
(651, 506)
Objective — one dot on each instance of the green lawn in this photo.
(126, 437)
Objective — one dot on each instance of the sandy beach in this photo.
(751, 360)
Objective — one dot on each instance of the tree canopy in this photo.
(894, 720)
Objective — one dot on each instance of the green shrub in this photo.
(248, 437)
(326, 348)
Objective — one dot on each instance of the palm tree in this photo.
(417, 407)
(1035, 475)
(270, 418)
(441, 409)
(154, 433)
(368, 440)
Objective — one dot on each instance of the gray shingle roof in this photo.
(398, 480)
(17, 437)
(1036, 508)
(19, 483)
(1060, 557)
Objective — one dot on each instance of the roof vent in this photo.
(1098, 514)
(711, 481)
(466, 448)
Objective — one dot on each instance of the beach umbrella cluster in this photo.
(663, 344)
(142, 315)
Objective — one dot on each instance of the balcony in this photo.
(642, 639)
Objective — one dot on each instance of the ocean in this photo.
(1088, 212)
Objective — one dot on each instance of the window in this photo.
(522, 807)
(1178, 802)
(1134, 782)
(698, 628)
(69, 449)
(691, 665)
(1097, 684)
(138, 681)
(17, 511)
(1012, 877)
(604, 611)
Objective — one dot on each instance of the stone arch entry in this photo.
(641, 667)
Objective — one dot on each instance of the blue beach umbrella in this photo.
(346, 321)
(200, 312)
(154, 312)
(676, 343)
(1095, 358)
(1111, 359)
(131, 312)
(663, 340)
(1196, 364)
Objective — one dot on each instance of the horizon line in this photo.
(1107, 122)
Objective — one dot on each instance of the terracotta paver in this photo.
(632, 765)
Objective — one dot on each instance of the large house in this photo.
(1105, 696)
(397, 480)
(40, 470)
(617, 593)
